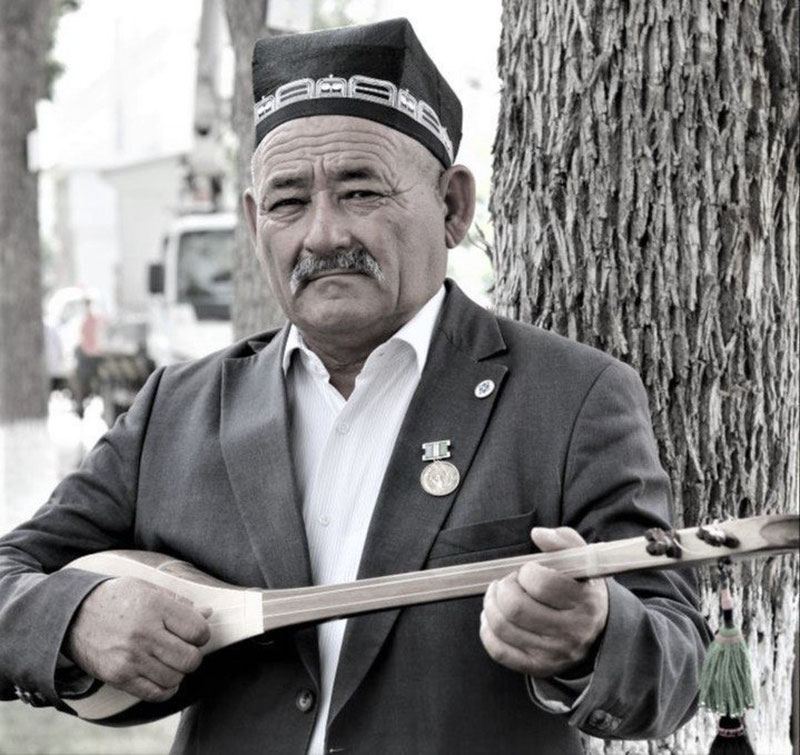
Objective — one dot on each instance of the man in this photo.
(394, 426)
(87, 354)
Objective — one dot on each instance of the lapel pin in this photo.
(484, 388)
(439, 477)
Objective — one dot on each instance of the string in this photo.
(446, 589)
(394, 582)
(280, 610)
(280, 606)
(553, 559)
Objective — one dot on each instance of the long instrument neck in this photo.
(307, 604)
(774, 534)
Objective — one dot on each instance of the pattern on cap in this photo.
(359, 88)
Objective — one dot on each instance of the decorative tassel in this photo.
(725, 684)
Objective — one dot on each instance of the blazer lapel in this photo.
(255, 444)
(407, 519)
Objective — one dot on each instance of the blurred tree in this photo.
(25, 41)
(645, 201)
(254, 306)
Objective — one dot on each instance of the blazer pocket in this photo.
(484, 538)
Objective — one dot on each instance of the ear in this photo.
(457, 186)
(250, 214)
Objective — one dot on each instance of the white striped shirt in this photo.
(341, 449)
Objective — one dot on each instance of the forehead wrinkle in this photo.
(338, 139)
(329, 148)
(363, 164)
(322, 135)
(287, 179)
(341, 129)
(338, 167)
(354, 172)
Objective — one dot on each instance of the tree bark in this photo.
(645, 202)
(254, 307)
(24, 43)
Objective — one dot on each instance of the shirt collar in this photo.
(417, 333)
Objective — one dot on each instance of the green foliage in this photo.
(52, 68)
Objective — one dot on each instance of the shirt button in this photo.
(304, 700)
(324, 520)
(343, 428)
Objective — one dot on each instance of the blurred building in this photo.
(115, 140)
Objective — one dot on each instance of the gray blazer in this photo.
(201, 468)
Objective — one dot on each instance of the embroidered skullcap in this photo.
(376, 71)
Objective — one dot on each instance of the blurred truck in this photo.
(191, 289)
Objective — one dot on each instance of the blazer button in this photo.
(304, 700)
(30, 698)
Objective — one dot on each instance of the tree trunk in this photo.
(24, 42)
(254, 307)
(645, 202)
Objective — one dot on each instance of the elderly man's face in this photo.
(349, 225)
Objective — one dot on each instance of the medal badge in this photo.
(440, 477)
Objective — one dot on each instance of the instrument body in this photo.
(241, 613)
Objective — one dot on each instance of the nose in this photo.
(328, 229)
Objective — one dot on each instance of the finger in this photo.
(147, 690)
(163, 676)
(179, 655)
(561, 592)
(187, 623)
(205, 611)
(506, 600)
(503, 653)
(551, 588)
(547, 539)
(513, 635)
(574, 626)
(178, 597)
(542, 656)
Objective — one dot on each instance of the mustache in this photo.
(356, 259)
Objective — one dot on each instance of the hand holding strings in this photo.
(539, 621)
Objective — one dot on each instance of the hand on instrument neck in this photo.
(543, 623)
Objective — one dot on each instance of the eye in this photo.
(362, 194)
(286, 202)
